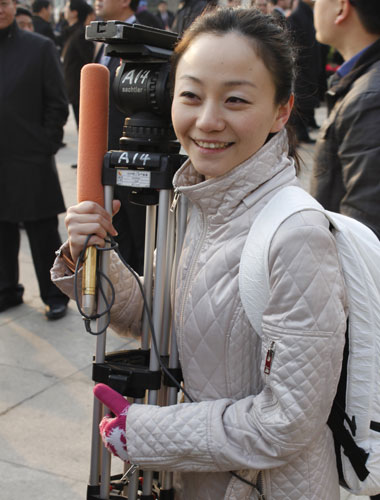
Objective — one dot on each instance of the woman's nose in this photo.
(210, 118)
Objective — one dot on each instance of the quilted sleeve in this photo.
(126, 312)
(304, 323)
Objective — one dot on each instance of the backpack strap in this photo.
(254, 270)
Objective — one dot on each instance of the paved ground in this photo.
(46, 387)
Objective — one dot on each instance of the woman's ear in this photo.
(282, 116)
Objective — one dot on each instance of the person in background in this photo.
(257, 407)
(33, 111)
(346, 174)
(42, 13)
(60, 29)
(233, 3)
(164, 15)
(261, 5)
(24, 19)
(188, 10)
(278, 8)
(301, 24)
(77, 51)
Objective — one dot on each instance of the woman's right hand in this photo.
(87, 218)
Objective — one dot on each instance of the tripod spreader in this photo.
(128, 373)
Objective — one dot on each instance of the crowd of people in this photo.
(246, 85)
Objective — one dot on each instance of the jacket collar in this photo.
(9, 31)
(339, 88)
(226, 195)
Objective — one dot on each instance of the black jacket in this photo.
(76, 53)
(346, 172)
(33, 111)
(43, 28)
(301, 24)
(187, 13)
(169, 21)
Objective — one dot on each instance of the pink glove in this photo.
(112, 429)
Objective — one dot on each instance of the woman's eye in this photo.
(237, 100)
(188, 95)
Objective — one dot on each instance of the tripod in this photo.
(137, 374)
(144, 166)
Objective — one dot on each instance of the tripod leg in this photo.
(181, 229)
(99, 358)
(158, 303)
(150, 240)
(150, 237)
(158, 307)
(167, 480)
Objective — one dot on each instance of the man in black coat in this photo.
(187, 11)
(42, 11)
(165, 16)
(33, 111)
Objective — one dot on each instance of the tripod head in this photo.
(142, 92)
(141, 85)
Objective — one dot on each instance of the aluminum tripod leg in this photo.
(150, 237)
(99, 358)
(167, 477)
(158, 305)
(161, 322)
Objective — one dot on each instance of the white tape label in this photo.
(133, 178)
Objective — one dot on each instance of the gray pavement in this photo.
(45, 372)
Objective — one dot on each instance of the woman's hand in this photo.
(87, 218)
(113, 429)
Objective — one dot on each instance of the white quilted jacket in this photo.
(245, 420)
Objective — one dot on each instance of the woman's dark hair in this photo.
(270, 40)
(83, 9)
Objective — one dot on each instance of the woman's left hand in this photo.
(113, 429)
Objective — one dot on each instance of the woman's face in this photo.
(223, 105)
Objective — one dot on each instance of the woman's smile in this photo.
(213, 146)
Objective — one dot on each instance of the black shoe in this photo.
(11, 297)
(55, 311)
(312, 124)
(74, 165)
(11, 300)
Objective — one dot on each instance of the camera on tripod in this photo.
(149, 151)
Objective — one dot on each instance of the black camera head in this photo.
(133, 41)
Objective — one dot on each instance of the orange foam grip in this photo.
(93, 131)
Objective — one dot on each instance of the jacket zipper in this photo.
(269, 358)
(260, 486)
(173, 206)
(190, 275)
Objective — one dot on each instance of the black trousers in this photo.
(76, 112)
(44, 240)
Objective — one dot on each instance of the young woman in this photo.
(232, 99)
